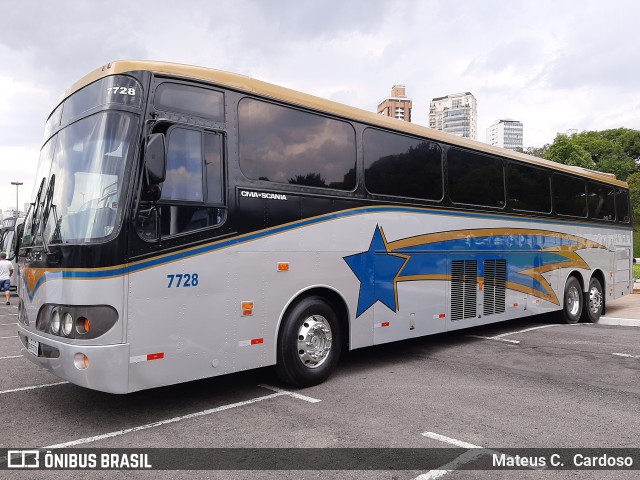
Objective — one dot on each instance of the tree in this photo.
(567, 151)
(634, 186)
(614, 151)
(539, 152)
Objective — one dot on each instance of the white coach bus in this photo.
(188, 223)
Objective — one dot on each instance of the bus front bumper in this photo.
(108, 365)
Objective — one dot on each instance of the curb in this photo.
(625, 322)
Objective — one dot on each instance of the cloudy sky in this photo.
(554, 65)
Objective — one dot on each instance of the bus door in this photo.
(176, 285)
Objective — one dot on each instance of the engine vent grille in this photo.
(495, 278)
(464, 290)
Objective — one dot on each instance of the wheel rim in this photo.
(595, 300)
(573, 301)
(314, 341)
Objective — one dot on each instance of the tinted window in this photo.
(601, 199)
(213, 166)
(175, 219)
(184, 166)
(569, 196)
(622, 206)
(190, 100)
(284, 145)
(116, 89)
(475, 179)
(529, 188)
(402, 166)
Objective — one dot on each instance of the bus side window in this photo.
(192, 195)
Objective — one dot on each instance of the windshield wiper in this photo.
(35, 224)
(48, 206)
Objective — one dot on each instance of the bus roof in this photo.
(250, 85)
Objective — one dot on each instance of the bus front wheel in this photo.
(593, 302)
(309, 343)
(573, 301)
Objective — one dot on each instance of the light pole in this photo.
(17, 184)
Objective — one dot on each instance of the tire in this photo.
(593, 302)
(309, 343)
(573, 301)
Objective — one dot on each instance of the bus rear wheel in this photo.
(309, 343)
(593, 302)
(573, 301)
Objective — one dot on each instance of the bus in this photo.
(8, 240)
(188, 222)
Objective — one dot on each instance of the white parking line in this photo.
(452, 441)
(627, 355)
(8, 324)
(31, 388)
(474, 453)
(11, 356)
(501, 338)
(210, 411)
(291, 394)
(507, 340)
(14, 336)
(118, 433)
(466, 457)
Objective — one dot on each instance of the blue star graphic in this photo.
(377, 270)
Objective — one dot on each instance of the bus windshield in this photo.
(80, 181)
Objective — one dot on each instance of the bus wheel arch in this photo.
(313, 331)
(594, 298)
(572, 299)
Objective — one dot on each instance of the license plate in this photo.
(33, 346)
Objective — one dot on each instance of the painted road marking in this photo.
(31, 388)
(507, 340)
(202, 413)
(452, 441)
(501, 338)
(12, 356)
(291, 394)
(7, 324)
(475, 452)
(626, 355)
(14, 336)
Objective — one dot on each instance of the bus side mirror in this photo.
(155, 159)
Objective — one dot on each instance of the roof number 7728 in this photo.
(121, 91)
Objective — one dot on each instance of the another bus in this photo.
(8, 243)
(189, 222)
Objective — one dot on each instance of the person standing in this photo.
(6, 270)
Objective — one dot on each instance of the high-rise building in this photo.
(456, 113)
(397, 105)
(505, 133)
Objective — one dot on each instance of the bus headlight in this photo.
(76, 321)
(55, 322)
(67, 324)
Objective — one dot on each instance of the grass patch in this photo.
(636, 271)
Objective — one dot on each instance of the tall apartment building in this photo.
(505, 133)
(456, 113)
(397, 105)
